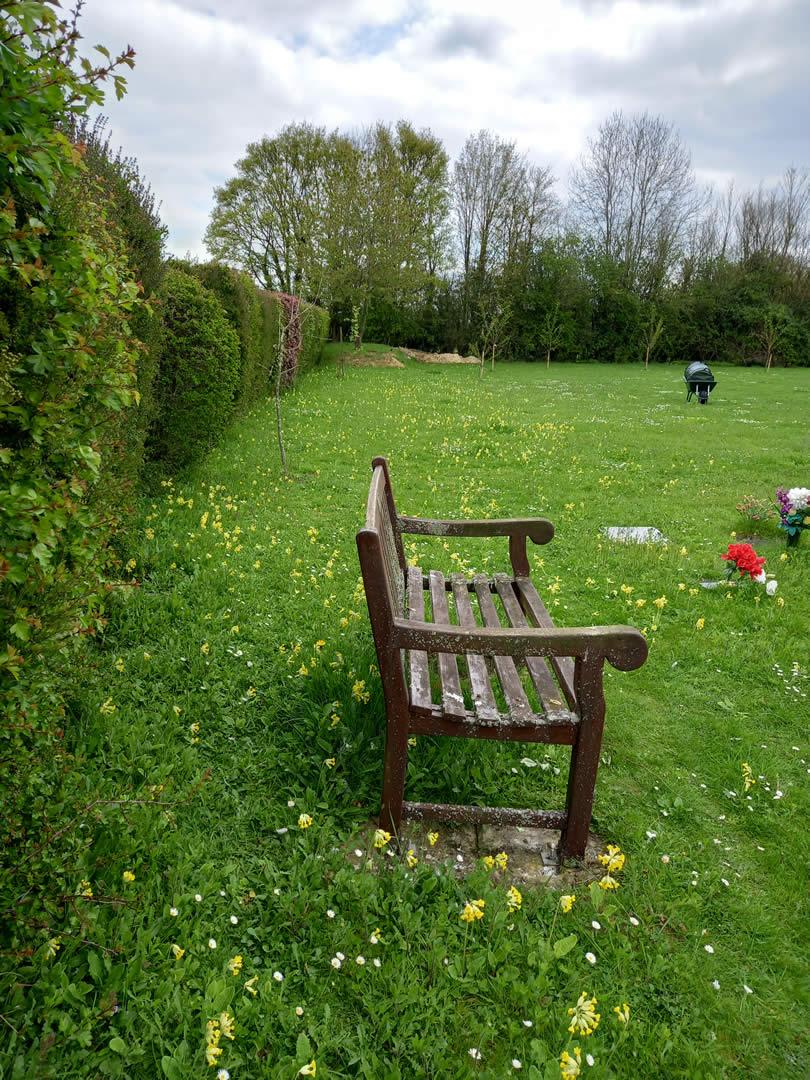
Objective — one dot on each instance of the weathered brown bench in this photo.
(561, 667)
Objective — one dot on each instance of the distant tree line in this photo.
(640, 263)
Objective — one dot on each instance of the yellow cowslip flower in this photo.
(700, 624)
(178, 952)
(501, 860)
(205, 648)
(411, 859)
(234, 629)
(570, 1066)
(381, 838)
(119, 664)
(412, 742)
(748, 776)
(128, 876)
(684, 551)
(614, 860)
(627, 589)
(694, 592)
(176, 710)
(235, 965)
(335, 720)
(304, 821)
(489, 862)
(622, 1013)
(608, 882)
(212, 1032)
(107, 708)
(640, 603)
(589, 581)
(250, 985)
(226, 1022)
(86, 889)
(780, 601)
(358, 690)
(147, 656)
(131, 565)
(150, 534)
(433, 837)
(212, 1052)
(681, 586)
(514, 898)
(660, 602)
(473, 909)
(567, 902)
(783, 557)
(584, 1017)
(53, 946)
(329, 762)
(308, 1070)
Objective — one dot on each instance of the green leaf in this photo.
(303, 1050)
(171, 1069)
(564, 945)
(597, 895)
(118, 1045)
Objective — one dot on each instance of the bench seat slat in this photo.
(418, 660)
(547, 690)
(452, 697)
(486, 707)
(535, 608)
(520, 710)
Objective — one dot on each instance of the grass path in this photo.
(240, 671)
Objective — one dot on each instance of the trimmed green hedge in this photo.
(315, 331)
(199, 371)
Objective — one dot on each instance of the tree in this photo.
(651, 331)
(635, 194)
(772, 331)
(271, 217)
(551, 332)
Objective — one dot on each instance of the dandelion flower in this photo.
(381, 838)
(584, 1017)
(570, 1065)
(567, 902)
(304, 821)
(589, 956)
(128, 876)
(622, 1013)
(212, 943)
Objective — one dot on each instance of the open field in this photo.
(236, 690)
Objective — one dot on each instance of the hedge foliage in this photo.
(199, 373)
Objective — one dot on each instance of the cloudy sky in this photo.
(732, 76)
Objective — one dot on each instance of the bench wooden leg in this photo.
(396, 761)
(584, 759)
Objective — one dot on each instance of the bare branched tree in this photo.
(774, 223)
(634, 192)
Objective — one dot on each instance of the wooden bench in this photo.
(485, 668)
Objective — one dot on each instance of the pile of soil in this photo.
(372, 360)
(439, 358)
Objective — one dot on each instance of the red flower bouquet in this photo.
(746, 560)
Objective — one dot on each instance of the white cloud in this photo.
(211, 76)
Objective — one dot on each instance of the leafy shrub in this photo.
(239, 298)
(315, 330)
(199, 371)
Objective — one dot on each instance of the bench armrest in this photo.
(623, 646)
(539, 530)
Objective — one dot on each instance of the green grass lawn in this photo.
(236, 690)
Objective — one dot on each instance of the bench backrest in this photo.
(381, 533)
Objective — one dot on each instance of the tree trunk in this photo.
(282, 343)
(492, 365)
(647, 358)
(548, 358)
